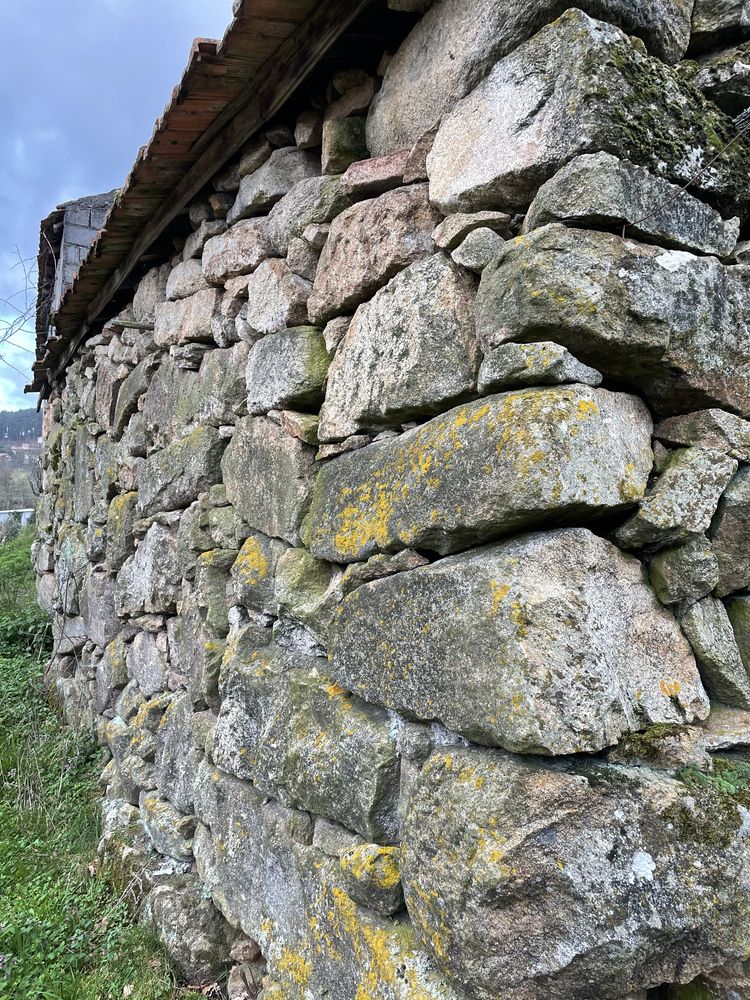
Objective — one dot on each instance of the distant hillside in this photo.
(19, 435)
(20, 425)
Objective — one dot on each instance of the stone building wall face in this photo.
(401, 566)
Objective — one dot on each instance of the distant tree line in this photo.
(20, 425)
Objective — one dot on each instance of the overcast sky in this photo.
(81, 83)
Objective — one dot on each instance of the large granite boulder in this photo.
(368, 245)
(548, 643)
(457, 43)
(575, 880)
(580, 86)
(269, 476)
(597, 189)
(177, 757)
(172, 478)
(277, 298)
(719, 21)
(482, 470)
(729, 535)
(97, 601)
(257, 861)
(682, 501)
(674, 324)
(299, 737)
(259, 191)
(237, 251)
(149, 580)
(408, 352)
(287, 371)
(193, 933)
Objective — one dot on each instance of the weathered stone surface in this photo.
(177, 758)
(211, 579)
(598, 189)
(287, 370)
(684, 573)
(612, 878)
(130, 392)
(179, 400)
(683, 500)
(302, 739)
(729, 535)
(738, 609)
(726, 728)
(712, 428)
(186, 279)
(269, 476)
(254, 571)
(724, 77)
(515, 669)
(312, 202)
(368, 245)
(148, 581)
(372, 877)
(171, 832)
(147, 662)
(308, 131)
(379, 567)
(707, 626)
(482, 470)
(511, 365)
(478, 249)
(456, 44)
(277, 887)
(194, 934)
(173, 477)
(121, 516)
(260, 190)
(97, 600)
(237, 251)
(344, 143)
(452, 231)
(195, 243)
(307, 590)
(578, 86)
(676, 325)
(187, 320)
(408, 352)
(277, 298)
(367, 178)
(151, 290)
(717, 21)
(111, 675)
(109, 378)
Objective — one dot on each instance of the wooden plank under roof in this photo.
(227, 92)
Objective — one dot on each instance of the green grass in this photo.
(64, 935)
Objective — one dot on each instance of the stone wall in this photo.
(396, 534)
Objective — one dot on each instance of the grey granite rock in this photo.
(628, 309)
(512, 365)
(482, 470)
(579, 86)
(598, 189)
(583, 860)
(269, 476)
(536, 641)
(410, 351)
(287, 370)
(707, 626)
(456, 45)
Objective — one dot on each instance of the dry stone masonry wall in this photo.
(396, 535)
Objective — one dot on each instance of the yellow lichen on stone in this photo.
(251, 562)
